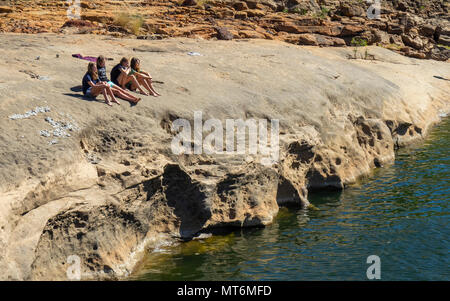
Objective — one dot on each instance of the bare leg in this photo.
(145, 79)
(149, 83)
(136, 85)
(111, 93)
(124, 79)
(101, 89)
(144, 83)
(124, 94)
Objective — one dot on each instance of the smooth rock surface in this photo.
(114, 186)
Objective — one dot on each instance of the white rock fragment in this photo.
(61, 128)
(44, 133)
(28, 114)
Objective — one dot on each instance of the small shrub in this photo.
(359, 42)
(131, 22)
(299, 11)
(135, 24)
(122, 19)
(201, 3)
(324, 12)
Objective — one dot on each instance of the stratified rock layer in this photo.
(415, 28)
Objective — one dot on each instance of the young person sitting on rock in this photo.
(92, 86)
(142, 77)
(121, 77)
(118, 91)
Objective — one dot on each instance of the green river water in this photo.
(400, 213)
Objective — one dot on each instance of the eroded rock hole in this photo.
(302, 150)
(286, 193)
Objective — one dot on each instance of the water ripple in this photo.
(401, 214)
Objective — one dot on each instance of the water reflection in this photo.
(400, 213)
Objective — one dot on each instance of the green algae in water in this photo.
(400, 213)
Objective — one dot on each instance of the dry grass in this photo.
(131, 22)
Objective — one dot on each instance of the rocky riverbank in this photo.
(102, 183)
(419, 29)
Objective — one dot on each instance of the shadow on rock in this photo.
(185, 196)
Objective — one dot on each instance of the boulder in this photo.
(380, 36)
(417, 55)
(223, 33)
(261, 4)
(415, 43)
(329, 41)
(242, 15)
(439, 54)
(251, 34)
(395, 29)
(240, 6)
(396, 39)
(224, 12)
(444, 40)
(307, 39)
(255, 13)
(351, 30)
(189, 3)
(369, 36)
(427, 30)
(351, 10)
(402, 6)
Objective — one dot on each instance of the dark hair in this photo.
(123, 60)
(92, 73)
(135, 62)
(101, 58)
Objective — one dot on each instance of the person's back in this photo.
(102, 74)
(115, 72)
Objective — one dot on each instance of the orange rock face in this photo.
(305, 22)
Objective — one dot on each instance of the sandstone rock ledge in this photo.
(113, 187)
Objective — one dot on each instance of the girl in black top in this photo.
(118, 91)
(120, 75)
(92, 86)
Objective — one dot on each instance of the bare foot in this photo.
(116, 101)
(109, 103)
(144, 93)
(138, 99)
